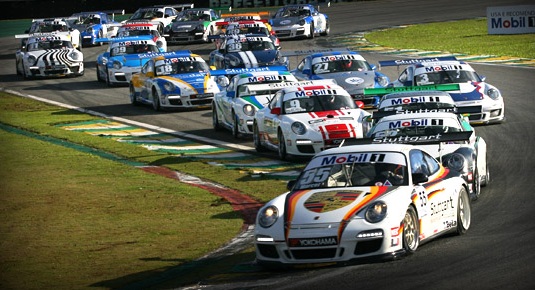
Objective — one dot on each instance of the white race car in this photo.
(299, 21)
(362, 201)
(143, 28)
(473, 90)
(162, 15)
(235, 106)
(47, 55)
(305, 120)
(59, 26)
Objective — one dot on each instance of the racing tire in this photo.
(108, 82)
(17, 68)
(311, 35)
(327, 29)
(411, 231)
(476, 184)
(283, 154)
(256, 140)
(133, 99)
(215, 119)
(486, 178)
(235, 131)
(464, 212)
(99, 79)
(156, 100)
(100, 35)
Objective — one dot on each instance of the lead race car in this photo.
(348, 68)
(362, 202)
(246, 93)
(178, 79)
(192, 25)
(48, 55)
(59, 26)
(143, 28)
(304, 120)
(299, 21)
(473, 90)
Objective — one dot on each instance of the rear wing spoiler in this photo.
(389, 90)
(414, 140)
(234, 71)
(272, 86)
(128, 38)
(311, 51)
(456, 110)
(245, 16)
(399, 62)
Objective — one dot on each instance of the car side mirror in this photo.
(306, 71)
(483, 78)
(418, 178)
(276, 111)
(290, 184)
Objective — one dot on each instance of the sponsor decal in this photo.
(409, 100)
(322, 202)
(441, 207)
(308, 93)
(336, 57)
(406, 139)
(285, 22)
(354, 81)
(353, 158)
(313, 242)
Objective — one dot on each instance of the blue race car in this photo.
(177, 79)
(247, 51)
(97, 24)
(348, 68)
(124, 57)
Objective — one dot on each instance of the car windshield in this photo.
(292, 12)
(192, 15)
(55, 44)
(413, 131)
(234, 30)
(250, 45)
(340, 66)
(136, 32)
(389, 169)
(133, 49)
(318, 103)
(446, 77)
(169, 67)
(45, 27)
(147, 14)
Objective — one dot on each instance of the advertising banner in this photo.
(511, 19)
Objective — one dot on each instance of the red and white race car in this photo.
(304, 120)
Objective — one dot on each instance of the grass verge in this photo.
(75, 220)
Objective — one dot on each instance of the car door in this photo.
(437, 202)
(228, 100)
(145, 79)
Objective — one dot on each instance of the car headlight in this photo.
(159, 43)
(457, 162)
(376, 212)
(268, 216)
(248, 110)
(74, 55)
(32, 60)
(302, 22)
(168, 86)
(299, 128)
(382, 81)
(117, 64)
(493, 93)
(200, 27)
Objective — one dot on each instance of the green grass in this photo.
(465, 36)
(72, 219)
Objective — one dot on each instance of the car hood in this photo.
(336, 124)
(257, 57)
(196, 82)
(333, 205)
(258, 101)
(474, 91)
(352, 81)
(185, 24)
(286, 21)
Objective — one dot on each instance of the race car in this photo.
(143, 28)
(96, 24)
(246, 51)
(192, 25)
(178, 79)
(473, 89)
(360, 202)
(244, 27)
(124, 57)
(349, 68)
(235, 106)
(299, 21)
(59, 26)
(468, 155)
(161, 15)
(301, 121)
(49, 55)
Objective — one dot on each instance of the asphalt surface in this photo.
(496, 253)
